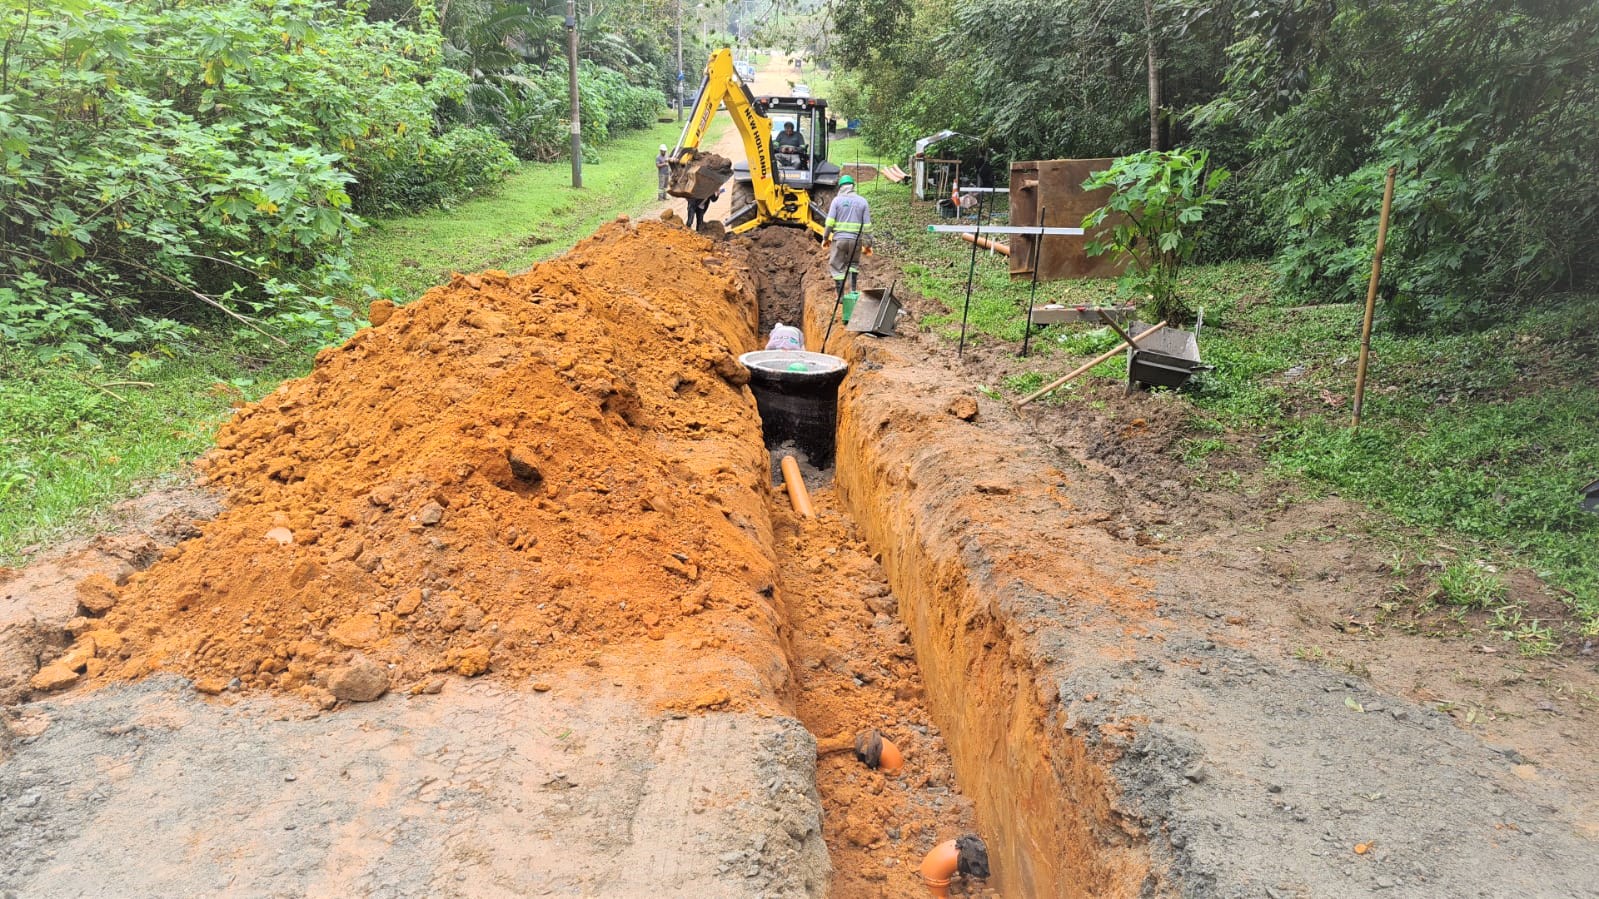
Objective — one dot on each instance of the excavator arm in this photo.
(775, 203)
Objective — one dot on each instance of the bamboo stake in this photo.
(1086, 366)
(1371, 295)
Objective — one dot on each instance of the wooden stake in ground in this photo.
(1086, 366)
(1371, 295)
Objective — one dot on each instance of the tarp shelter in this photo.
(934, 176)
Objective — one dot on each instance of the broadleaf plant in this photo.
(1152, 220)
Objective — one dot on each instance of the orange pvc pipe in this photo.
(938, 868)
(797, 494)
(1002, 249)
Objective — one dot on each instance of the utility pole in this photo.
(577, 117)
(680, 60)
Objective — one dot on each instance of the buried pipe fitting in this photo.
(967, 855)
(875, 751)
(796, 393)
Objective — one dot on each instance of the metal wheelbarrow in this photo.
(1167, 358)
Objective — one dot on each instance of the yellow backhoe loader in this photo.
(785, 178)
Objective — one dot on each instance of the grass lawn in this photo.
(73, 440)
(538, 214)
(1479, 439)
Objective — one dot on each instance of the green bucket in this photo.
(849, 304)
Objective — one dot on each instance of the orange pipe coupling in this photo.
(876, 751)
(797, 494)
(966, 855)
(938, 868)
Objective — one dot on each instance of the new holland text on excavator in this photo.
(785, 179)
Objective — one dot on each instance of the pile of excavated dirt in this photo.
(512, 474)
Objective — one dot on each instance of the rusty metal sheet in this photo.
(1056, 185)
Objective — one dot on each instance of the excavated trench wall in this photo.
(988, 609)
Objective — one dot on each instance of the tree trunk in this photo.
(1154, 75)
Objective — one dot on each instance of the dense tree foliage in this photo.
(163, 160)
(155, 154)
(1488, 107)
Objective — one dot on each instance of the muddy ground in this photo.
(1131, 681)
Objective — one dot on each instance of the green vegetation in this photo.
(534, 217)
(167, 168)
(1482, 104)
(1477, 439)
(75, 439)
(1152, 221)
(158, 160)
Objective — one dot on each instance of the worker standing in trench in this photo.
(848, 233)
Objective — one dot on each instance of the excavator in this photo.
(783, 181)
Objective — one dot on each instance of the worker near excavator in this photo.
(848, 234)
(663, 170)
(698, 207)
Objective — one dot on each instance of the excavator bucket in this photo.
(699, 178)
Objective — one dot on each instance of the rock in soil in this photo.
(360, 681)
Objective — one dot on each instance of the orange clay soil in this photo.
(855, 670)
(512, 474)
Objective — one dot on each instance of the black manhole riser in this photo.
(798, 406)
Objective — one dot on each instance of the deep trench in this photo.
(883, 632)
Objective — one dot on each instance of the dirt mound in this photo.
(511, 474)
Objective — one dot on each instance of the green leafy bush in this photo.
(164, 160)
(461, 160)
(1486, 106)
(1158, 200)
(529, 108)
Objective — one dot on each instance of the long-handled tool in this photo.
(838, 300)
(1133, 341)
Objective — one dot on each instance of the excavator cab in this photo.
(802, 164)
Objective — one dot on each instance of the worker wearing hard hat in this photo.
(848, 234)
(663, 170)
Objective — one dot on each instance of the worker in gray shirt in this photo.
(848, 234)
(663, 170)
